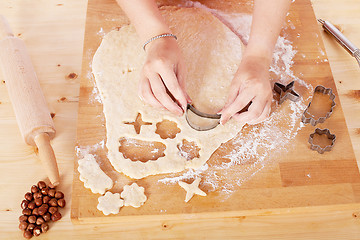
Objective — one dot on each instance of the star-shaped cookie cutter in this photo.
(311, 120)
(286, 92)
(318, 148)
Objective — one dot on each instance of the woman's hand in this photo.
(250, 84)
(162, 81)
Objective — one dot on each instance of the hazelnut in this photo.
(43, 209)
(59, 195)
(53, 202)
(27, 234)
(31, 227)
(53, 210)
(47, 217)
(28, 196)
(46, 199)
(35, 211)
(37, 231)
(31, 205)
(24, 204)
(38, 201)
(44, 227)
(32, 219)
(23, 218)
(34, 189)
(61, 202)
(39, 221)
(23, 226)
(52, 193)
(26, 212)
(45, 191)
(56, 216)
(41, 184)
(38, 195)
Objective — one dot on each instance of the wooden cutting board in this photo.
(294, 180)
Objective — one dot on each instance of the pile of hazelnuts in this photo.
(39, 207)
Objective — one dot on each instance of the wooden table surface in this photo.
(53, 32)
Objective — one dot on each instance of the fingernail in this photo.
(222, 122)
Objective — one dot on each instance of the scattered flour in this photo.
(191, 173)
(84, 150)
(101, 33)
(268, 139)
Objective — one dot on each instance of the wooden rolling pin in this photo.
(32, 114)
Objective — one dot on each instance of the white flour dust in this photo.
(253, 149)
(257, 148)
(90, 149)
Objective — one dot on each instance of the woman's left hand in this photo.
(250, 84)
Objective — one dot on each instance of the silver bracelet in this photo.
(158, 36)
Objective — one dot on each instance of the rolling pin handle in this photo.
(5, 30)
(47, 157)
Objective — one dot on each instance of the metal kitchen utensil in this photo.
(286, 92)
(211, 125)
(313, 121)
(317, 148)
(349, 46)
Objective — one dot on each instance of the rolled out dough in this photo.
(92, 175)
(133, 195)
(110, 203)
(212, 54)
(192, 189)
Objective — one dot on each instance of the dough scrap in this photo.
(110, 203)
(192, 189)
(133, 195)
(92, 175)
(211, 52)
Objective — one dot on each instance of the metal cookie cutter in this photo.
(321, 132)
(323, 90)
(286, 92)
(202, 115)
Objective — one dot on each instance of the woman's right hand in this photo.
(162, 82)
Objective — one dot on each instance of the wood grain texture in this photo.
(166, 201)
(53, 32)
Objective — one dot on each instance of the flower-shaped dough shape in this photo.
(110, 203)
(133, 195)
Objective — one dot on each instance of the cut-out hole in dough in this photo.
(188, 150)
(138, 123)
(167, 129)
(137, 150)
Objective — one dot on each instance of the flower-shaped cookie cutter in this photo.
(286, 92)
(318, 148)
(313, 121)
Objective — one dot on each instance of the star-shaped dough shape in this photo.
(110, 203)
(133, 195)
(192, 189)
